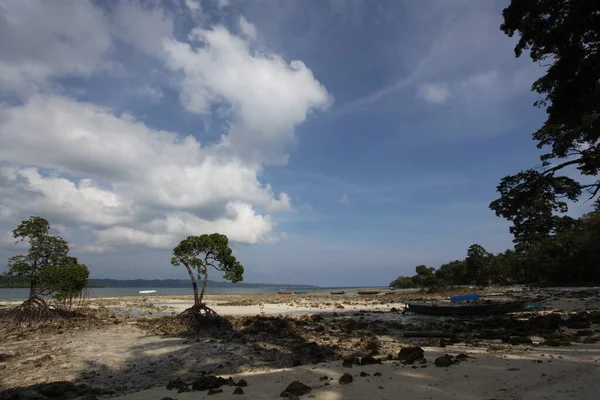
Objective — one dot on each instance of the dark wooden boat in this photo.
(472, 309)
(369, 292)
(338, 292)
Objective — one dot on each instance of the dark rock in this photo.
(167, 398)
(296, 388)
(208, 382)
(316, 317)
(373, 344)
(229, 381)
(345, 379)
(178, 384)
(369, 359)
(348, 362)
(214, 391)
(238, 390)
(409, 355)
(324, 378)
(241, 383)
(444, 361)
(515, 340)
(377, 374)
(363, 374)
(393, 309)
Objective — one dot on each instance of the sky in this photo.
(335, 143)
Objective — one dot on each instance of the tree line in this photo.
(569, 256)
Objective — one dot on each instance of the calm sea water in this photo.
(21, 294)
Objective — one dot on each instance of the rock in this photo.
(324, 378)
(178, 384)
(296, 388)
(373, 344)
(515, 340)
(238, 390)
(316, 317)
(408, 355)
(393, 309)
(348, 362)
(377, 374)
(363, 374)
(369, 359)
(208, 382)
(214, 391)
(167, 398)
(345, 379)
(242, 383)
(444, 361)
(229, 381)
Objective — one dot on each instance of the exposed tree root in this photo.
(34, 311)
(201, 317)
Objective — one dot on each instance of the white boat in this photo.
(146, 291)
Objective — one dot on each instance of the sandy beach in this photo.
(129, 347)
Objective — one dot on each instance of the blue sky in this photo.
(335, 142)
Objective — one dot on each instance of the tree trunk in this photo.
(194, 284)
(33, 289)
(204, 283)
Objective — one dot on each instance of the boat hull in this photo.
(476, 309)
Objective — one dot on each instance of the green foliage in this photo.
(65, 282)
(47, 254)
(7, 281)
(565, 36)
(403, 282)
(208, 250)
(453, 273)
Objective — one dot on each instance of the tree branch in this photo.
(560, 166)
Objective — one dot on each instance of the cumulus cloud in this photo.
(264, 96)
(41, 40)
(89, 167)
(433, 93)
(247, 28)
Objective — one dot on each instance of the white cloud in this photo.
(264, 96)
(143, 28)
(193, 5)
(247, 28)
(113, 177)
(223, 3)
(345, 199)
(433, 93)
(151, 94)
(41, 40)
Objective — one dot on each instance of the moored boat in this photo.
(471, 309)
(284, 292)
(146, 291)
(369, 292)
(338, 292)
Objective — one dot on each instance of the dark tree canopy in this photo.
(204, 252)
(45, 251)
(564, 37)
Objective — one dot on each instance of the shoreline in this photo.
(128, 346)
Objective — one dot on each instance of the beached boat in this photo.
(369, 292)
(338, 292)
(146, 291)
(284, 292)
(471, 309)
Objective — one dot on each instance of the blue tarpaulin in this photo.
(464, 297)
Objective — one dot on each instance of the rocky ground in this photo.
(119, 346)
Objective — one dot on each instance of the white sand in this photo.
(487, 376)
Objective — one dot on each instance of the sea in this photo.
(23, 293)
